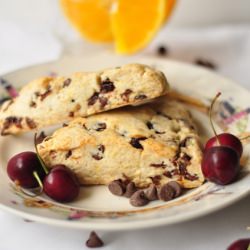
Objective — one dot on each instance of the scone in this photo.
(52, 100)
(153, 143)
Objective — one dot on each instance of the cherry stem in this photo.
(39, 157)
(32, 194)
(38, 179)
(210, 116)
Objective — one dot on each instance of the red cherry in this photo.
(220, 164)
(228, 140)
(21, 168)
(61, 184)
(242, 244)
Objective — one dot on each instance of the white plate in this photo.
(96, 208)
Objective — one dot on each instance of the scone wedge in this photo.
(52, 100)
(153, 143)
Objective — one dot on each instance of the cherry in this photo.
(242, 244)
(61, 184)
(221, 160)
(220, 164)
(226, 139)
(23, 169)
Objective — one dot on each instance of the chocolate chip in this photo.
(71, 114)
(183, 143)
(168, 174)
(31, 124)
(158, 165)
(205, 63)
(68, 154)
(103, 101)
(107, 86)
(67, 82)
(162, 50)
(40, 138)
(135, 142)
(65, 125)
(9, 121)
(92, 100)
(72, 100)
(94, 240)
(150, 125)
(100, 126)
(151, 193)
(186, 158)
(45, 94)
(125, 95)
(116, 187)
(101, 148)
(99, 155)
(139, 199)
(156, 179)
(166, 193)
(140, 97)
(32, 104)
(176, 186)
(130, 189)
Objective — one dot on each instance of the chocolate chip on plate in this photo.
(139, 199)
(151, 193)
(176, 186)
(94, 240)
(166, 193)
(130, 189)
(162, 50)
(205, 63)
(116, 187)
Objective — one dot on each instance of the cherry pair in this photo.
(221, 160)
(27, 171)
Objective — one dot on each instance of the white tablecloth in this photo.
(23, 43)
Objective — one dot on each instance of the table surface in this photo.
(45, 39)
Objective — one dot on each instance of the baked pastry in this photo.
(52, 100)
(152, 143)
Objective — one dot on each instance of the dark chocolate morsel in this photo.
(176, 186)
(94, 240)
(135, 142)
(66, 82)
(107, 86)
(92, 100)
(151, 193)
(166, 193)
(139, 199)
(116, 187)
(130, 189)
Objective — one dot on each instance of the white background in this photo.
(33, 31)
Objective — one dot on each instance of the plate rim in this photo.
(126, 225)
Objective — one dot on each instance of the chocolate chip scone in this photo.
(52, 100)
(154, 143)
